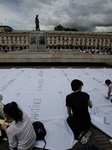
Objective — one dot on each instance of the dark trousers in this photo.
(73, 127)
(78, 126)
(3, 134)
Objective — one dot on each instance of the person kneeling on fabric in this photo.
(77, 107)
(20, 134)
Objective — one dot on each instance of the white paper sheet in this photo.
(41, 93)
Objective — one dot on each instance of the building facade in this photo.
(12, 40)
(78, 40)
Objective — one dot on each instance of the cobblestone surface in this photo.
(102, 139)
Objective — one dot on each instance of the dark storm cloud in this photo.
(87, 16)
(84, 15)
(90, 15)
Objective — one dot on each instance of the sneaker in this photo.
(86, 137)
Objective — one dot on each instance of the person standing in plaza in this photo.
(109, 85)
(77, 107)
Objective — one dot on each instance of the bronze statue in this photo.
(37, 22)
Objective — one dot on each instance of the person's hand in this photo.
(3, 127)
(90, 103)
(106, 97)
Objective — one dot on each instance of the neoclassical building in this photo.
(12, 40)
(78, 40)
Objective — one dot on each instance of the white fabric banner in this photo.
(41, 93)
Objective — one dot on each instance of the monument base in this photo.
(37, 41)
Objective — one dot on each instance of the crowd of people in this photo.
(96, 51)
(20, 133)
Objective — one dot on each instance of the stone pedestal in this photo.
(37, 41)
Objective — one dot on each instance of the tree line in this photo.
(61, 28)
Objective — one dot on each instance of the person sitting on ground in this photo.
(20, 134)
(1, 108)
(2, 133)
(109, 84)
(77, 107)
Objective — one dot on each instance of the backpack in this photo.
(40, 131)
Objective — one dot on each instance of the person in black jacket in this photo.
(77, 107)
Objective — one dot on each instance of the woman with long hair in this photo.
(20, 134)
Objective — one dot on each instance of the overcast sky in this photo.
(84, 15)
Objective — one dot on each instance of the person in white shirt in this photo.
(1, 108)
(2, 133)
(20, 134)
(109, 84)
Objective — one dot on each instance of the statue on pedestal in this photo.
(37, 22)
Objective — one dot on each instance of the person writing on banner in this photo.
(109, 84)
(77, 108)
(1, 108)
(2, 133)
(20, 133)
